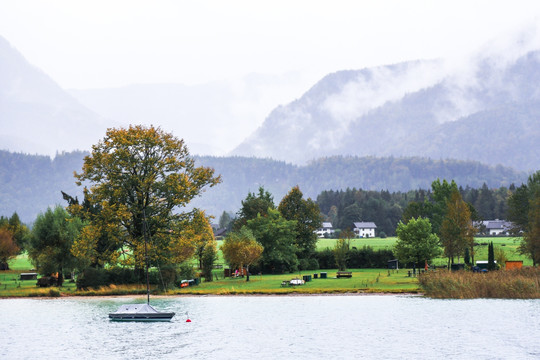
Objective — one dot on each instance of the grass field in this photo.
(363, 280)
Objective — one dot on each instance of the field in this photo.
(363, 280)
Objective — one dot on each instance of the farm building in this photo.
(325, 229)
(494, 227)
(364, 229)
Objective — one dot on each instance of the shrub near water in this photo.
(513, 284)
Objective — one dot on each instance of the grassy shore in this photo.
(502, 284)
(362, 281)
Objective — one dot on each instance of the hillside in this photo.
(37, 116)
(486, 111)
(30, 183)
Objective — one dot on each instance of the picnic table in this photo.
(341, 274)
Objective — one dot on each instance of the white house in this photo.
(496, 227)
(326, 229)
(364, 229)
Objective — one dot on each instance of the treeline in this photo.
(344, 207)
(31, 183)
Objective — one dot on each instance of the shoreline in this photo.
(63, 296)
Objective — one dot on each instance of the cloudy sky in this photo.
(105, 43)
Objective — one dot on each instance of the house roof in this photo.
(365, 225)
(327, 225)
(497, 224)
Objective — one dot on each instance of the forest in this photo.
(385, 209)
(31, 183)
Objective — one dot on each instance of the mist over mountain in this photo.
(212, 118)
(487, 110)
(36, 115)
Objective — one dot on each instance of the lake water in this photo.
(277, 327)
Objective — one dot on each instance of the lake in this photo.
(274, 327)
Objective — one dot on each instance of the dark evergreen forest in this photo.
(31, 183)
(385, 209)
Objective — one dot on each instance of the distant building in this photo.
(494, 227)
(364, 229)
(325, 229)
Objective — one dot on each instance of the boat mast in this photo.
(145, 230)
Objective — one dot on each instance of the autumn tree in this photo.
(18, 230)
(457, 231)
(308, 219)
(203, 234)
(51, 240)
(416, 242)
(141, 178)
(8, 248)
(241, 248)
(98, 243)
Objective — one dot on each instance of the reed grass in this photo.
(502, 284)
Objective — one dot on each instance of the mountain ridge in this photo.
(397, 109)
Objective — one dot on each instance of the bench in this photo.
(341, 274)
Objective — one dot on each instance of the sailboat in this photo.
(141, 312)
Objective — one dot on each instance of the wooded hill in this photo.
(30, 183)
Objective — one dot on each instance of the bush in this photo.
(364, 258)
(185, 272)
(119, 275)
(303, 264)
(326, 259)
(382, 235)
(92, 278)
(313, 264)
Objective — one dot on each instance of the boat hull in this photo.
(141, 317)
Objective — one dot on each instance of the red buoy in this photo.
(188, 320)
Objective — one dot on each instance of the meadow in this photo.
(362, 280)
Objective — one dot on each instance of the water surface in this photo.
(286, 327)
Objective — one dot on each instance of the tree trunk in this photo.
(247, 273)
(60, 279)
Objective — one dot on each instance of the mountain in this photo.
(36, 115)
(31, 183)
(212, 118)
(487, 110)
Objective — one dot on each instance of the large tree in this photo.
(18, 230)
(51, 240)
(308, 219)
(8, 248)
(142, 177)
(241, 248)
(252, 206)
(277, 235)
(203, 234)
(442, 191)
(524, 212)
(416, 242)
(457, 231)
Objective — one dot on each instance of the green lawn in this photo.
(375, 243)
(508, 244)
(363, 280)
